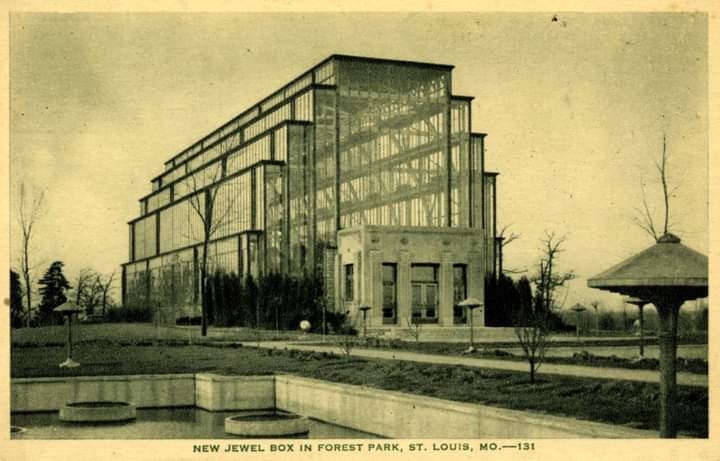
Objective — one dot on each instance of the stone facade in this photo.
(429, 267)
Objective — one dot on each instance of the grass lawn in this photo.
(129, 333)
(633, 404)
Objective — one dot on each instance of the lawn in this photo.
(130, 333)
(633, 404)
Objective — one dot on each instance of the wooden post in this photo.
(667, 337)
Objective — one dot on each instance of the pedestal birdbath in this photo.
(471, 304)
(667, 274)
(68, 310)
(640, 303)
(577, 308)
(364, 308)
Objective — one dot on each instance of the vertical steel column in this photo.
(482, 179)
(123, 285)
(285, 237)
(337, 159)
(313, 187)
(253, 199)
(471, 214)
(448, 146)
(157, 233)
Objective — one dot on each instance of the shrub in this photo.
(129, 314)
(196, 320)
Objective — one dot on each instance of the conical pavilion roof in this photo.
(667, 264)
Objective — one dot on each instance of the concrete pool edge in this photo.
(386, 413)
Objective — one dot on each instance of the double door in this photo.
(425, 302)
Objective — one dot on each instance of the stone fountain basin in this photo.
(97, 411)
(267, 424)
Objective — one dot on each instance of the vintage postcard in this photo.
(341, 231)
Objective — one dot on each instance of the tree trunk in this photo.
(28, 288)
(203, 291)
(532, 371)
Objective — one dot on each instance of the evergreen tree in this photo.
(16, 306)
(53, 286)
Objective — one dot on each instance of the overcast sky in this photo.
(575, 110)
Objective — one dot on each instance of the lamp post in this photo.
(68, 310)
(577, 308)
(640, 303)
(471, 304)
(364, 308)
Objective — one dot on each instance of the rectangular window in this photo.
(389, 309)
(459, 292)
(349, 281)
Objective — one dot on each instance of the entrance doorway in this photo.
(424, 293)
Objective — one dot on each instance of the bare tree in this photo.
(88, 290)
(644, 217)
(106, 284)
(549, 279)
(30, 210)
(505, 238)
(203, 201)
(532, 330)
(532, 326)
(86, 277)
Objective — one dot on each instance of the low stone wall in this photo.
(218, 393)
(49, 394)
(385, 413)
(399, 415)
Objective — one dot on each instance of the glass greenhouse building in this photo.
(364, 171)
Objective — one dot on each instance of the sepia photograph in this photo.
(277, 233)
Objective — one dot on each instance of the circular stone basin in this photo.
(267, 424)
(99, 411)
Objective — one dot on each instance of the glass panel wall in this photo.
(325, 165)
(145, 237)
(393, 145)
(274, 219)
(460, 168)
(476, 182)
(490, 222)
(299, 183)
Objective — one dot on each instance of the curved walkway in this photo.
(683, 379)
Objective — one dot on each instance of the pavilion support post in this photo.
(642, 334)
(668, 314)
